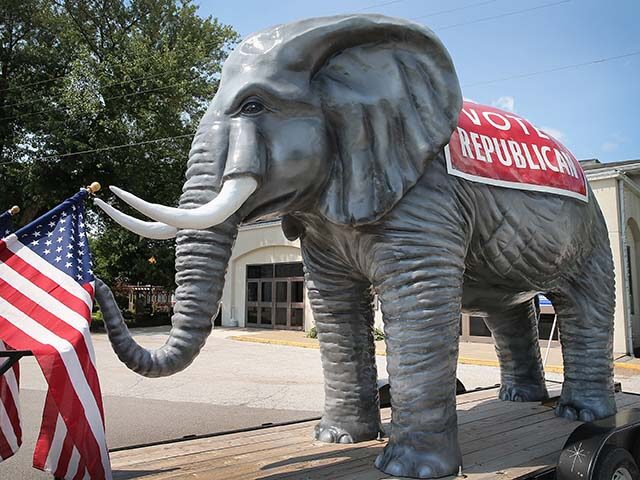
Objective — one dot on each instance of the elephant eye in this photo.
(252, 108)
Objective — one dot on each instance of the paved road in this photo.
(230, 385)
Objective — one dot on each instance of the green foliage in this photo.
(80, 75)
(312, 333)
(97, 321)
(378, 334)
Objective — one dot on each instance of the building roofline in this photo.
(623, 165)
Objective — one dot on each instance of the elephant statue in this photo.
(340, 126)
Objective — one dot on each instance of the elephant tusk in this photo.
(233, 194)
(156, 230)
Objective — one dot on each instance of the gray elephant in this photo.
(339, 126)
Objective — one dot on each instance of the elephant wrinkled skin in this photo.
(338, 124)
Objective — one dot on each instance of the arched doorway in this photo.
(631, 248)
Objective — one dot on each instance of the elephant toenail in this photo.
(326, 436)
(345, 438)
(567, 412)
(394, 468)
(587, 416)
(425, 472)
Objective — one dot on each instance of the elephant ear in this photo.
(391, 98)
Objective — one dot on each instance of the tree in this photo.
(85, 75)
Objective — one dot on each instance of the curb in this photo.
(273, 341)
(464, 360)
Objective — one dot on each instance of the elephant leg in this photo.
(421, 303)
(585, 317)
(515, 332)
(342, 309)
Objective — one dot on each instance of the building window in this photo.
(275, 296)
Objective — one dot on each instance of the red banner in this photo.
(500, 148)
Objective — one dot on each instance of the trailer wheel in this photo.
(616, 464)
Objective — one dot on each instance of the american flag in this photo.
(6, 226)
(46, 296)
(10, 427)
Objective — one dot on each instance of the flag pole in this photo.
(14, 210)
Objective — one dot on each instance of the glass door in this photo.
(275, 296)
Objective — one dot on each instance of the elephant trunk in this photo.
(201, 262)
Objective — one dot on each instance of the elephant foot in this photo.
(533, 392)
(584, 404)
(331, 432)
(401, 460)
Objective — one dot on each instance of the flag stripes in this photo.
(70, 392)
(24, 269)
(50, 274)
(10, 427)
(46, 298)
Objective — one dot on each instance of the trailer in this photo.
(499, 440)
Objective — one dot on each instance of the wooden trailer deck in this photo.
(502, 440)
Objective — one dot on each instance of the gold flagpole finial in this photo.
(93, 188)
(14, 210)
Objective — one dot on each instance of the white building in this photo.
(264, 285)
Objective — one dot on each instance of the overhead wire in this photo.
(502, 15)
(554, 69)
(381, 4)
(441, 12)
(60, 77)
(103, 149)
(484, 82)
(131, 94)
(524, 75)
(451, 10)
(111, 84)
(376, 5)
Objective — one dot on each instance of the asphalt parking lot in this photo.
(230, 385)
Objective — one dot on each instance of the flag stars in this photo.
(62, 241)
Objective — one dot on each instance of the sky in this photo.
(497, 45)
